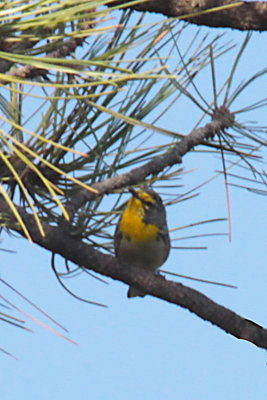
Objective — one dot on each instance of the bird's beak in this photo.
(134, 193)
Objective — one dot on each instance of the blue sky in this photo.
(146, 348)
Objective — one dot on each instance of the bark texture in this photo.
(241, 15)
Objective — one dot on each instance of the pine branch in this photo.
(222, 119)
(82, 254)
(31, 72)
(244, 16)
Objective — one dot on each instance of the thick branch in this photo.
(57, 241)
(246, 16)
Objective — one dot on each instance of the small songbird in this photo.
(142, 236)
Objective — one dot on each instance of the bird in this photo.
(142, 237)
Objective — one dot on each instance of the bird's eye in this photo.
(147, 204)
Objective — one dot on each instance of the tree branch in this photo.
(245, 16)
(30, 71)
(222, 119)
(82, 254)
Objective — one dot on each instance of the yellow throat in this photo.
(132, 225)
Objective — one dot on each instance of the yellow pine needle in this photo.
(24, 190)
(12, 79)
(70, 97)
(161, 36)
(56, 189)
(131, 121)
(45, 181)
(16, 213)
(212, 10)
(47, 163)
(43, 139)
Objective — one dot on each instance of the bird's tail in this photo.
(133, 292)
